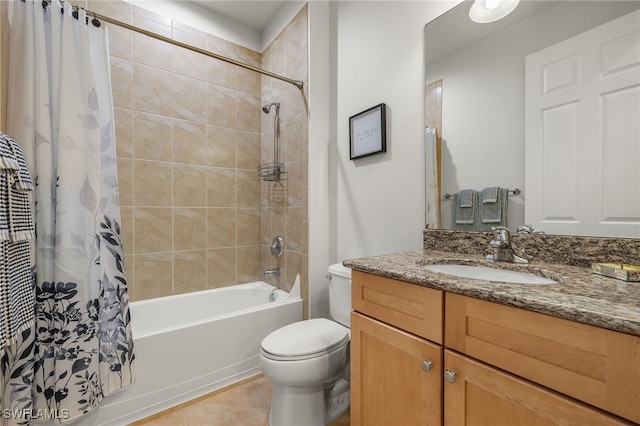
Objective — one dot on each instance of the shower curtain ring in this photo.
(95, 21)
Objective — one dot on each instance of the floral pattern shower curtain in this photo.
(61, 112)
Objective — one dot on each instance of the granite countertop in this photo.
(580, 296)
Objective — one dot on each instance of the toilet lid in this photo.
(305, 338)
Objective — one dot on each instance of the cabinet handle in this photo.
(450, 376)
(426, 366)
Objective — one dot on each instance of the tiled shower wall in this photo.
(284, 204)
(190, 136)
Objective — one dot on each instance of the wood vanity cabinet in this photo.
(487, 363)
(396, 373)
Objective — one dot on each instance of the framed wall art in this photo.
(367, 132)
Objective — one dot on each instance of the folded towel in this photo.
(465, 210)
(467, 198)
(490, 195)
(493, 208)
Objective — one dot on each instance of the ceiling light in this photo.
(485, 11)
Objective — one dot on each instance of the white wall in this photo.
(362, 53)
(321, 101)
(379, 200)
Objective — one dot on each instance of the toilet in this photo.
(309, 362)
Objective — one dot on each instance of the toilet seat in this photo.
(304, 340)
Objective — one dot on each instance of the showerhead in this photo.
(267, 108)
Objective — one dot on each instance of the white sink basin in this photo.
(489, 274)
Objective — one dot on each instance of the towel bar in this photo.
(514, 191)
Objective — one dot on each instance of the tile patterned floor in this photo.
(243, 404)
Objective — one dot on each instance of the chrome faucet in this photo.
(277, 247)
(528, 229)
(501, 245)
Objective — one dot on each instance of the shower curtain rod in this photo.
(299, 84)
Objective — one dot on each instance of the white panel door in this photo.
(582, 133)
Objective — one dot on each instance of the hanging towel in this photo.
(432, 211)
(493, 207)
(17, 299)
(465, 210)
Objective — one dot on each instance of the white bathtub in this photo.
(191, 344)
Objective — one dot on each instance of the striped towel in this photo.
(17, 299)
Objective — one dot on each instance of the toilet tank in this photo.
(340, 294)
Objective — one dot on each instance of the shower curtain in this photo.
(60, 111)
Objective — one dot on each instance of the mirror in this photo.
(480, 68)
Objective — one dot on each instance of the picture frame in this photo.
(368, 132)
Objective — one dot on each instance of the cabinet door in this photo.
(597, 366)
(389, 384)
(483, 395)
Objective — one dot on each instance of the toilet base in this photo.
(296, 406)
(337, 400)
(309, 405)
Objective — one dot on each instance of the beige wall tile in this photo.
(221, 47)
(248, 82)
(188, 63)
(221, 227)
(125, 181)
(248, 112)
(152, 136)
(249, 269)
(221, 146)
(295, 138)
(189, 142)
(296, 182)
(152, 52)
(221, 73)
(120, 42)
(189, 229)
(189, 185)
(248, 150)
(122, 83)
(189, 99)
(152, 90)
(129, 267)
(249, 56)
(221, 106)
(221, 267)
(248, 188)
(151, 21)
(221, 187)
(295, 229)
(124, 132)
(189, 145)
(189, 271)
(116, 9)
(189, 35)
(126, 229)
(248, 226)
(154, 273)
(152, 182)
(153, 230)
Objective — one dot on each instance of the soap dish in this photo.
(617, 270)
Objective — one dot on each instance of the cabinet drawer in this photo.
(410, 307)
(598, 366)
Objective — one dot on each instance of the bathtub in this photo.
(192, 344)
